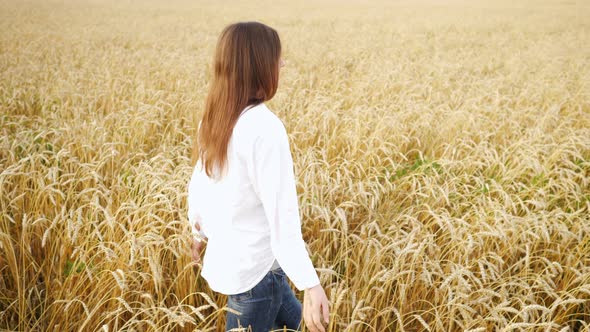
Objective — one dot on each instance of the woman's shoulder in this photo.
(260, 121)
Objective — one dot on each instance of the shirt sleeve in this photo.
(274, 182)
(193, 213)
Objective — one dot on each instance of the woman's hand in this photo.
(315, 309)
(197, 247)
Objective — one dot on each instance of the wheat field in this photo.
(441, 149)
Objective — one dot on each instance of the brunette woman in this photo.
(242, 200)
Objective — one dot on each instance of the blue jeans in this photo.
(269, 305)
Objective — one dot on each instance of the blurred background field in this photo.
(441, 148)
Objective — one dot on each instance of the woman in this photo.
(241, 197)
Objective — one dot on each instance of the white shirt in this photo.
(251, 216)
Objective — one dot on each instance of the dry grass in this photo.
(442, 154)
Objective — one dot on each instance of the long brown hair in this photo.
(246, 72)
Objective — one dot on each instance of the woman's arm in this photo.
(272, 176)
(273, 179)
(194, 219)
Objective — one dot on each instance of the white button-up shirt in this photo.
(250, 216)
